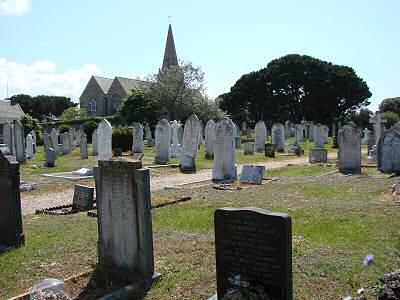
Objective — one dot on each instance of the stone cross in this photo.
(377, 121)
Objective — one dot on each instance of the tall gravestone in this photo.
(224, 165)
(319, 140)
(47, 143)
(19, 140)
(33, 134)
(78, 137)
(29, 147)
(253, 254)
(83, 146)
(389, 150)
(244, 127)
(287, 130)
(162, 136)
(104, 140)
(278, 137)
(50, 157)
(349, 155)
(190, 143)
(95, 147)
(176, 148)
(66, 143)
(54, 140)
(8, 137)
(238, 140)
(261, 135)
(137, 143)
(299, 133)
(311, 132)
(209, 139)
(125, 248)
(326, 134)
(11, 232)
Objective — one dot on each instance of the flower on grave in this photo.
(368, 260)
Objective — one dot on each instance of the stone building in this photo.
(9, 112)
(103, 96)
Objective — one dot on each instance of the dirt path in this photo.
(31, 203)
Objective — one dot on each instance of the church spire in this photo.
(170, 58)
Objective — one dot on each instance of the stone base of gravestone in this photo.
(117, 152)
(248, 148)
(318, 155)
(188, 164)
(175, 150)
(269, 150)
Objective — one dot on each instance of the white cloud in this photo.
(14, 7)
(41, 77)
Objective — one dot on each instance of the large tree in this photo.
(294, 87)
(390, 104)
(41, 106)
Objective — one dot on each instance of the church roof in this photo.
(170, 57)
(129, 84)
(10, 112)
(104, 83)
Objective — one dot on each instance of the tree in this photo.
(41, 106)
(390, 104)
(30, 124)
(391, 117)
(73, 113)
(294, 87)
(360, 118)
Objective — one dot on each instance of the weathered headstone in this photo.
(54, 140)
(238, 140)
(287, 130)
(66, 143)
(83, 146)
(11, 232)
(244, 127)
(261, 135)
(389, 151)
(209, 139)
(366, 134)
(50, 156)
(104, 140)
(95, 142)
(319, 140)
(29, 147)
(253, 253)
(311, 132)
(147, 132)
(190, 144)
(78, 137)
(326, 134)
(248, 148)
(8, 137)
(269, 150)
(162, 136)
(83, 198)
(224, 165)
(19, 140)
(137, 143)
(125, 245)
(252, 174)
(317, 155)
(176, 148)
(379, 125)
(299, 133)
(47, 143)
(349, 155)
(278, 137)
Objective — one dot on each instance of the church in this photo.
(102, 96)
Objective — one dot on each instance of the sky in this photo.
(53, 46)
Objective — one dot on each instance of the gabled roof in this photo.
(130, 84)
(104, 83)
(10, 112)
(170, 57)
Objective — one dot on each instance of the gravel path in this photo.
(31, 203)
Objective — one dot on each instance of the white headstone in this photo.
(29, 147)
(137, 143)
(19, 138)
(8, 137)
(224, 166)
(190, 142)
(261, 135)
(209, 138)
(176, 148)
(162, 136)
(319, 139)
(104, 135)
(95, 142)
(349, 151)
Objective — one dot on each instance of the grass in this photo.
(337, 221)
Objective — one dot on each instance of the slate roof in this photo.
(129, 84)
(104, 83)
(170, 57)
(10, 112)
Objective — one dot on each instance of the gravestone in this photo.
(33, 134)
(83, 198)
(95, 146)
(209, 139)
(125, 247)
(319, 140)
(190, 144)
(137, 142)
(238, 141)
(83, 146)
(299, 133)
(326, 134)
(244, 127)
(269, 150)
(379, 125)
(252, 174)
(147, 132)
(311, 132)
(224, 165)
(366, 134)
(261, 135)
(78, 137)
(253, 253)
(54, 140)
(349, 156)
(29, 147)
(50, 156)
(19, 140)
(278, 137)
(248, 148)
(11, 232)
(66, 143)
(8, 137)
(162, 136)
(287, 130)
(47, 143)
(176, 148)
(104, 140)
(389, 151)
(317, 155)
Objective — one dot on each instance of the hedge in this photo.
(122, 138)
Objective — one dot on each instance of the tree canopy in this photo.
(390, 104)
(41, 106)
(294, 87)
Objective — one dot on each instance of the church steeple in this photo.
(170, 58)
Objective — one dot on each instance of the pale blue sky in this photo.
(53, 46)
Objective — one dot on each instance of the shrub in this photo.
(89, 127)
(29, 123)
(391, 117)
(63, 128)
(122, 138)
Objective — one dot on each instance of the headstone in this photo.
(238, 141)
(365, 138)
(176, 148)
(248, 148)
(311, 132)
(162, 136)
(78, 137)
(209, 139)
(326, 134)
(125, 246)
(95, 143)
(297, 149)
(389, 151)
(319, 140)
(47, 143)
(83, 198)
(287, 130)
(54, 140)
(224, 165)
(33, 134)
(8, 137)
(29, 147)
(190, 141)
(278, 137)
(252, 174)
(137, 143)
(147, 132)
(11, 232)
(66, 143)
(244, 127)
(349, 155)
(253, 253)
(104, 140)
(261, 135)
(19, 140)
(50, 156)
(317, 155)
(83, 147)
(378, 125)
(269, 150)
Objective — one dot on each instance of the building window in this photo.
(116, 102)
(93, 106)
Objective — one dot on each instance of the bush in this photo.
(63, 128)
(122, 138)
(391, 117)
(29, 123)
(89, 127)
